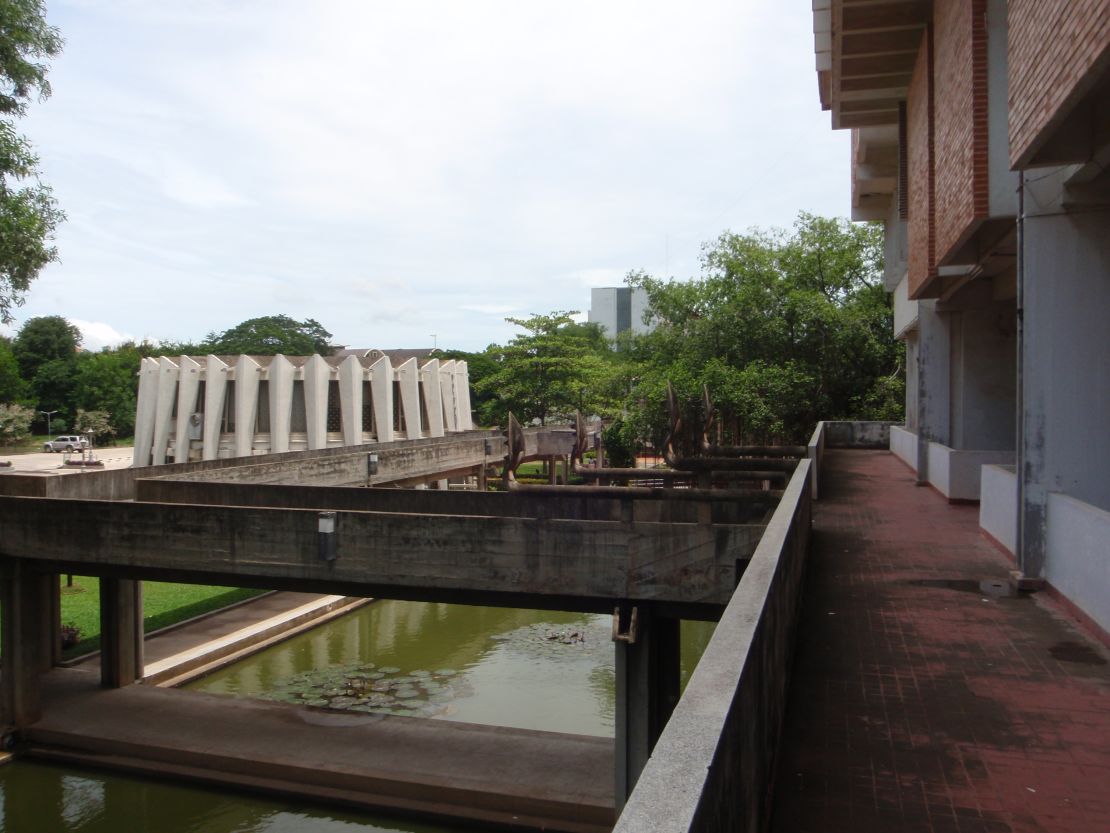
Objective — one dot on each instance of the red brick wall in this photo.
(919, 127)
(960, 129)
(1056, 49)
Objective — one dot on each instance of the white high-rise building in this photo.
(619, 309)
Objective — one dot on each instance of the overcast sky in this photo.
(397, 170)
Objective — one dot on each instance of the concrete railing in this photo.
(713, 765)
(844, 434)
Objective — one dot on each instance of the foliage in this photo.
(28, 213)
(270, 335)
(44, 339)
(784, 329)
(107, 382)
(15, 423)
(12, 386)
(620, 448)
(552, 370)
(97, 423)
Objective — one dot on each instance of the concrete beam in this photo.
(388, 555)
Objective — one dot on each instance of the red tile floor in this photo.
(922, 699)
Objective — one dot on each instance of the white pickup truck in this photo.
(68, 442)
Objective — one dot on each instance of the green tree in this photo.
(12, 386)
(42, 340)
(552, 370)
(108, 382)
(270, 335)
(97, 423)
(15, 422)
(785, 328)
(54, 385)
(28, 212)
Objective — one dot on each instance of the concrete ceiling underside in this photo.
(865, 50)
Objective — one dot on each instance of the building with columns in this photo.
(210, 407)
(981, 140)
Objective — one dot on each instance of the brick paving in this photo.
(923, 697)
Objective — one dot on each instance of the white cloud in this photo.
(417, 167)
(95, 335)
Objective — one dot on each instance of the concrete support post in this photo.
(483, 479)
(25, 651)
(566, 469)
(121, 632)
(647, 689)
(552, 473)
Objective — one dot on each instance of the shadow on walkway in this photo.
(924, 696)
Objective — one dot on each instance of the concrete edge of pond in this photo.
(219, 651)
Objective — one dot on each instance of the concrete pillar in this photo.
(121, 632)
(433, 397)
(552, 472)
(408, 374)
(483, 481)
(163, 408)
(317, 374)
(647, 689)
(351, 377)
(144, 412)
(933, 383)
(280, 378)
(188, 383)
(25, 633)
(215, 393)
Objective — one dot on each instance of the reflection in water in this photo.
(41, 798)
(531, 669)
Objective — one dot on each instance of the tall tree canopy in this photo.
(28, 212)
(554, 368)
(44, 339)
(785, 328)
(270, 335)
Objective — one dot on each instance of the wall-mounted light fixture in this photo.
(326, 537)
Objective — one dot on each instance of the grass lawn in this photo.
(163, 604)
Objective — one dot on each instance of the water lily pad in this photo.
(316, 702)
(406, 693)
(420, 673)
(446, 672)
(389, 669)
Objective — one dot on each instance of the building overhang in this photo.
(865, 50)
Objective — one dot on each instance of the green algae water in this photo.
(530, 669)
(42, 798)
(523, 668)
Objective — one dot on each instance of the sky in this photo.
(412, 173)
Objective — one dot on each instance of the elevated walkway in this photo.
(925, 696)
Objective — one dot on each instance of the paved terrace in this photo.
(921, 700)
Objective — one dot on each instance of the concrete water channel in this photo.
(540, 670)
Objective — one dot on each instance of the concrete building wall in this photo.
(1058, 50)
(619, 309)
(960, 54)
(1066, 351)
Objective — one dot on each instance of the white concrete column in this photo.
(351, 375)
(215, 392)
(317, 374)
(433, 398)
(247, 375)
(144, 411)
(447, 392)
(464, 420)
(281, 402)
(163, 408)
(188, 381)
(933, 383)
(408, 374)
(381, 391)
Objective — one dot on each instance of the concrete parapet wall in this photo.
(1078, 562)
(903, 444)
(998, 505)
(857, 434)
(713, 764)
(955, 473)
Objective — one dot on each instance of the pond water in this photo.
(531, 669)
(42, 798)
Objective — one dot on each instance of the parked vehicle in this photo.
(68, 442)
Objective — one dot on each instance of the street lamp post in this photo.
(48, 414)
